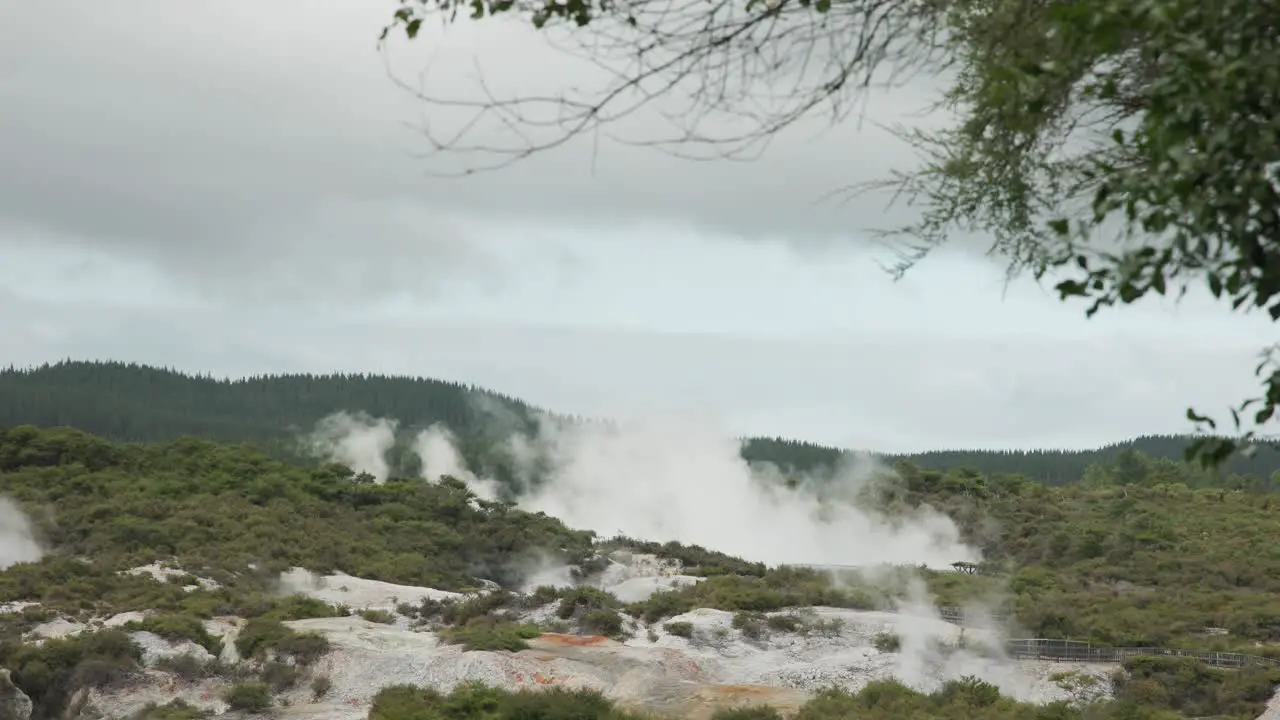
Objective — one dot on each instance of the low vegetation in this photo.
(491, 633)
(175, 627)
(266, 638)
(50, 673)
(251, 697)
(1129, 556)
(967, 698)
(383, 617)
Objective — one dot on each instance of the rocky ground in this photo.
(714, 666)
(707, 666)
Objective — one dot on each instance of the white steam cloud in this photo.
(673, 480)
(677, 481)
(438, 452)
(17, 540)
(356, 440)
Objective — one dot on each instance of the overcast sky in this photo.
(236, 187)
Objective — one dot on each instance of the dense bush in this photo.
(263, 636)
(777, 589)
(679, 629)
(969, 699)
(1147, 563)
(52, 672)
(475, 701)
(887, 642)
(383, 617)
(175, 627)
(1194, 689)
(212, 508)
(251, 697)
(1127, 557)
(491, 633)
(320, 686)
(175, 710)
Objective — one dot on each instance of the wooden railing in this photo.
(1078, 651)
(959, 616)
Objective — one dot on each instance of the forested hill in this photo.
(139, 403)
(1055, 467)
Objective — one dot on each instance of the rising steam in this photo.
(439, 454)
(673, 480)
(17, 540)
(676, 481)
(356, 440)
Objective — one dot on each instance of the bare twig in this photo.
(730, 76)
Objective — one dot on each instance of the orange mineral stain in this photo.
(574, 640)
(743, 690)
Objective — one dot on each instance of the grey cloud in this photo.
(210, 140)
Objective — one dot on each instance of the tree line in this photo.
(138, 403)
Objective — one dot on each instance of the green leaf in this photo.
(1195, 417)
(1071, 288)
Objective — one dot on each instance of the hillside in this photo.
(1154, 567)
(131, 402)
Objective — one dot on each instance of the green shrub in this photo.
(303, 607)
(544, 594)
(260, 635)
(696, 560)
(490, 633)
(320, 687)
(190, 668)
(303, 648)
(461, 612)
(887, 642)
(785, 623)
(173, 710)
(582, 600)
(778, 589)
(375, 615)
(679, 629)
(475, 701)
(602, 621)
(1190, 687)
(882, 700)
(279, 676)
(176, 627)
(751, 624)
(52, 672)
(251, 697)
(824, 627)
(263, 635)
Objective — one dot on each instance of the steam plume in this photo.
(674, 480)
(436, 449)
(671, 480)
(356, 440)
(17, 541)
